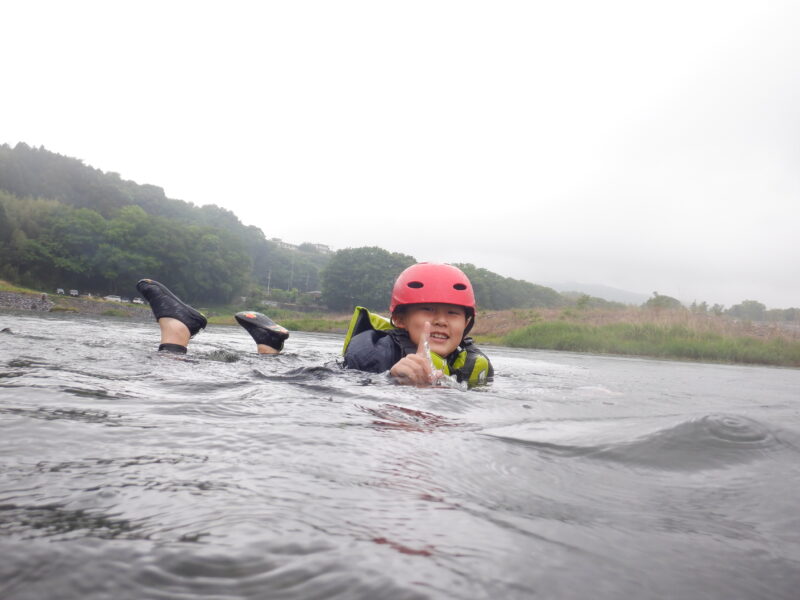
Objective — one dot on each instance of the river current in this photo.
(125, 473)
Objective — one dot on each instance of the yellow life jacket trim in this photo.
(479, 372)
(440, 364)
(362, 320)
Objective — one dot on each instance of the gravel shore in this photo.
(87, 306)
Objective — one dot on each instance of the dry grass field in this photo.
(496, 324)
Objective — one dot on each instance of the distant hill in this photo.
(66, 224)
(600, 291)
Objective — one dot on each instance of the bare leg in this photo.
(173, 332)
(264, 349)
(178, 321)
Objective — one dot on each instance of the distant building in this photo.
(305, 246)
(281, 244)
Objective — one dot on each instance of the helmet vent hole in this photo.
(415, 284)
(459, 286)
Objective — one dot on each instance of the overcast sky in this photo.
(650, 146)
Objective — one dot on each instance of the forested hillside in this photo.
(63, 223)
(66, 224)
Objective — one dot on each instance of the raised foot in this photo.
(263, 329)
(164, 303)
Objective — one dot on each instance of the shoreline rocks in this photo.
(19, 301)
(86, 306)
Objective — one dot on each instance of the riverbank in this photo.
(656, 341)
(677, 334)
(39, 301)
(293, 321)
(672, 334)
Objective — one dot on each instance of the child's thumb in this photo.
(423, 349)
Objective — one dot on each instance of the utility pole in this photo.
(269, 279)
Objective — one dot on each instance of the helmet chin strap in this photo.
(470, 323)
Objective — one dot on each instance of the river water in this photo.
(125, 473)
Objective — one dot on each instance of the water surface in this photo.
(127, 473)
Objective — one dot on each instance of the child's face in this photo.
(448, 322)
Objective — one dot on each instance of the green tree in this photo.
(495, 292)
(661, 302)
(5, 225)
(783, 314)
(362, 277)
(749, 310)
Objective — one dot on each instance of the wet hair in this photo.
(400, 310)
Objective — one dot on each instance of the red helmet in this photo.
(431, 282)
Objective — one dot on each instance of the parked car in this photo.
(138, 300)
(124, 299)
(60, 291)
(113, 298)
(73, 293)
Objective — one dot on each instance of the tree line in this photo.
(63, 223)
(747, 310)
(66, 224)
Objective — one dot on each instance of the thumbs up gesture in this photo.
(417, 369)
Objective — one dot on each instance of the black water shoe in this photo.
(164, 303)
(263, 329)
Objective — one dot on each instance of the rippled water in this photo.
(126, 473)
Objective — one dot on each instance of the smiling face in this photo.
(448, 322)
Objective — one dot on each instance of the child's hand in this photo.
(417, 369)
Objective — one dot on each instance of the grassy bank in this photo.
(10, 287)
(656, 340)
(56, 303)
(293, 321)
(636, 332)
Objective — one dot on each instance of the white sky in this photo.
(641, 145)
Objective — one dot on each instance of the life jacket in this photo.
(466, 363)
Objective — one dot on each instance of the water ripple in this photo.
(130, 474)
(57, 522)
(707, 442)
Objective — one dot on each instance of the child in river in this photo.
(432, 311)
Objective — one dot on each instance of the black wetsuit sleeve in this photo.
(371, 351)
